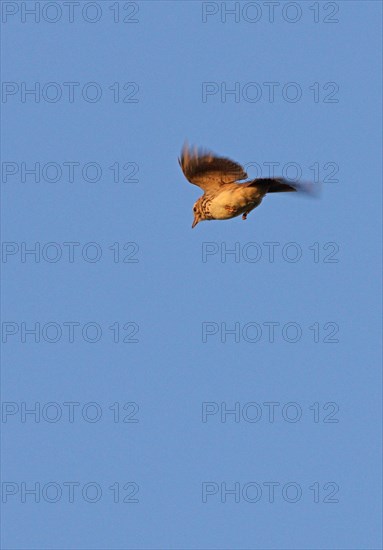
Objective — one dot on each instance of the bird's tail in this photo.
(281, 185)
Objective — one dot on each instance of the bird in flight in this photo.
(224, 196)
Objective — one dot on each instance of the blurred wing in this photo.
(209, 171)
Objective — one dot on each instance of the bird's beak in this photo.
(195, 221)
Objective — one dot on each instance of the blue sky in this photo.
(132, 365)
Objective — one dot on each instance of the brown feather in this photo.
(208, 171)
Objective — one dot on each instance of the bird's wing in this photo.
(208, 171)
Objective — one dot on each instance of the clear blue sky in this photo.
(179, 452)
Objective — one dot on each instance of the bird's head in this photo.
(199, 215)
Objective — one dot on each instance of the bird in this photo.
(225, 196)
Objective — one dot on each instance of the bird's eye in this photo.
(194, 209)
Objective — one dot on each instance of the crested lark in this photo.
(224, 197)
